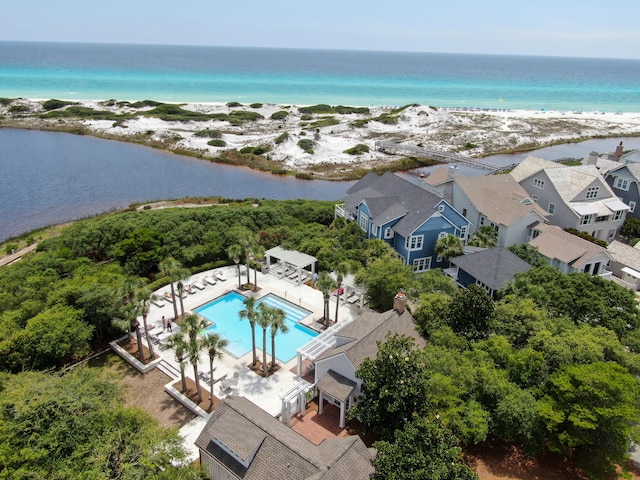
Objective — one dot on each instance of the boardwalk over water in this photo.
(399, 149)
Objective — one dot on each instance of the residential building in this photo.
(440, 181)
(624, 181)
(500, 202)
(242, 441)
(409, 218)
(567, 252)
(625, 264)
(490, 269)
(335, 369)
(575, 197)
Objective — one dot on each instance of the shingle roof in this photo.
(554, 242)
(401, 197)
(530, 166)
(493, 267)
(369, 329)
(570, 181)
(632, 156)
(336, 385)
(499, 197)
(633, 168)
(625, 254)
(282, 453)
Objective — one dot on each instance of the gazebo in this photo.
(294, 265)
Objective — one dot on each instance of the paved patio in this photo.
(264, 392)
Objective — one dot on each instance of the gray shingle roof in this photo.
(493, 267)
(282, 453)
(400, 195)
(368, 330)
(336, 385)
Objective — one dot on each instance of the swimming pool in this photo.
(224, 313)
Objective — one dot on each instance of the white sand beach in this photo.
(471, 132)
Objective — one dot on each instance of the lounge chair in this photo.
(158, 302)
(168, 297)
(197, 285)
(189, 289)
(220, 276)
(209, 280)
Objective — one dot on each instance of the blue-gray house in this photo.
(403, 214)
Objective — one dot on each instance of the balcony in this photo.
(340, 211)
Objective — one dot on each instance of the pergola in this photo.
(291, 264)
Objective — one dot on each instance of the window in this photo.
(388, 233)
(374, 229)
(535, 198)
(414, 242)
(587, 268)
(618, 215)
(602, 218)
(442, 235)
(421, 264)
(439, 258)
(538, 183)
(464, 212)
(621, 183)
(482, 219)
(441, 208)
(463, 232)
(612, 232)
(363, 221)
(592, 192)
(552, 208)
(632, 206)
(585, 220)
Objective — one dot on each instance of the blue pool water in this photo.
(224, 313)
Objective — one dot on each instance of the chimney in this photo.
(453, 172)
(592, 159)
(400, 302)
(618, 154)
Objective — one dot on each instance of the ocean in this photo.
(303, 77)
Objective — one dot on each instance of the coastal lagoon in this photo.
(48, 178)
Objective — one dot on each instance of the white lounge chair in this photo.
(197, 285)
(168, 297)
(158, 302)
(220, 275)
(209, 280)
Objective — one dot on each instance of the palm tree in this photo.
(144, 298)
(485, 237)
(263, 319)
(128, 321)
(247, 239)
(249, 312)
(277, 324)
(191, 325)
(234, 251)
(213, 343)
(179, 345)
(257, 255)
(325, 284)
(171, 268)
(341, 271)
(449, 246)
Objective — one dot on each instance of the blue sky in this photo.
(586, 28)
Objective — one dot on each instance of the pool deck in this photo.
(264, 392)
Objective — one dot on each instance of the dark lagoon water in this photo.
(48, 178)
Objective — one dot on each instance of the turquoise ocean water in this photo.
(295, 76)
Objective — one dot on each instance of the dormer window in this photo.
(538, 183)
(592, 192)
(621, 183)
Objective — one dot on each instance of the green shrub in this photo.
(586, 236)
(279, 115)
(325, 109)
(303, 176)
(360, 123)
(325, 122)
(279, 171)
(6, 101)
(256, 105)
(238, 117)
(245, 150)
(349, 110)
(208, 133)
(469, 146)
(433, 108)
(234, 104)
(261, 149)
(358, 149)
(18, 109)
(217, 143)
(54, 104)
(306, 145)
(146, 103)
(306, 117)
(321, 108)
(387, 119)
(175, 113)
(86, 112)
(281, 138)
